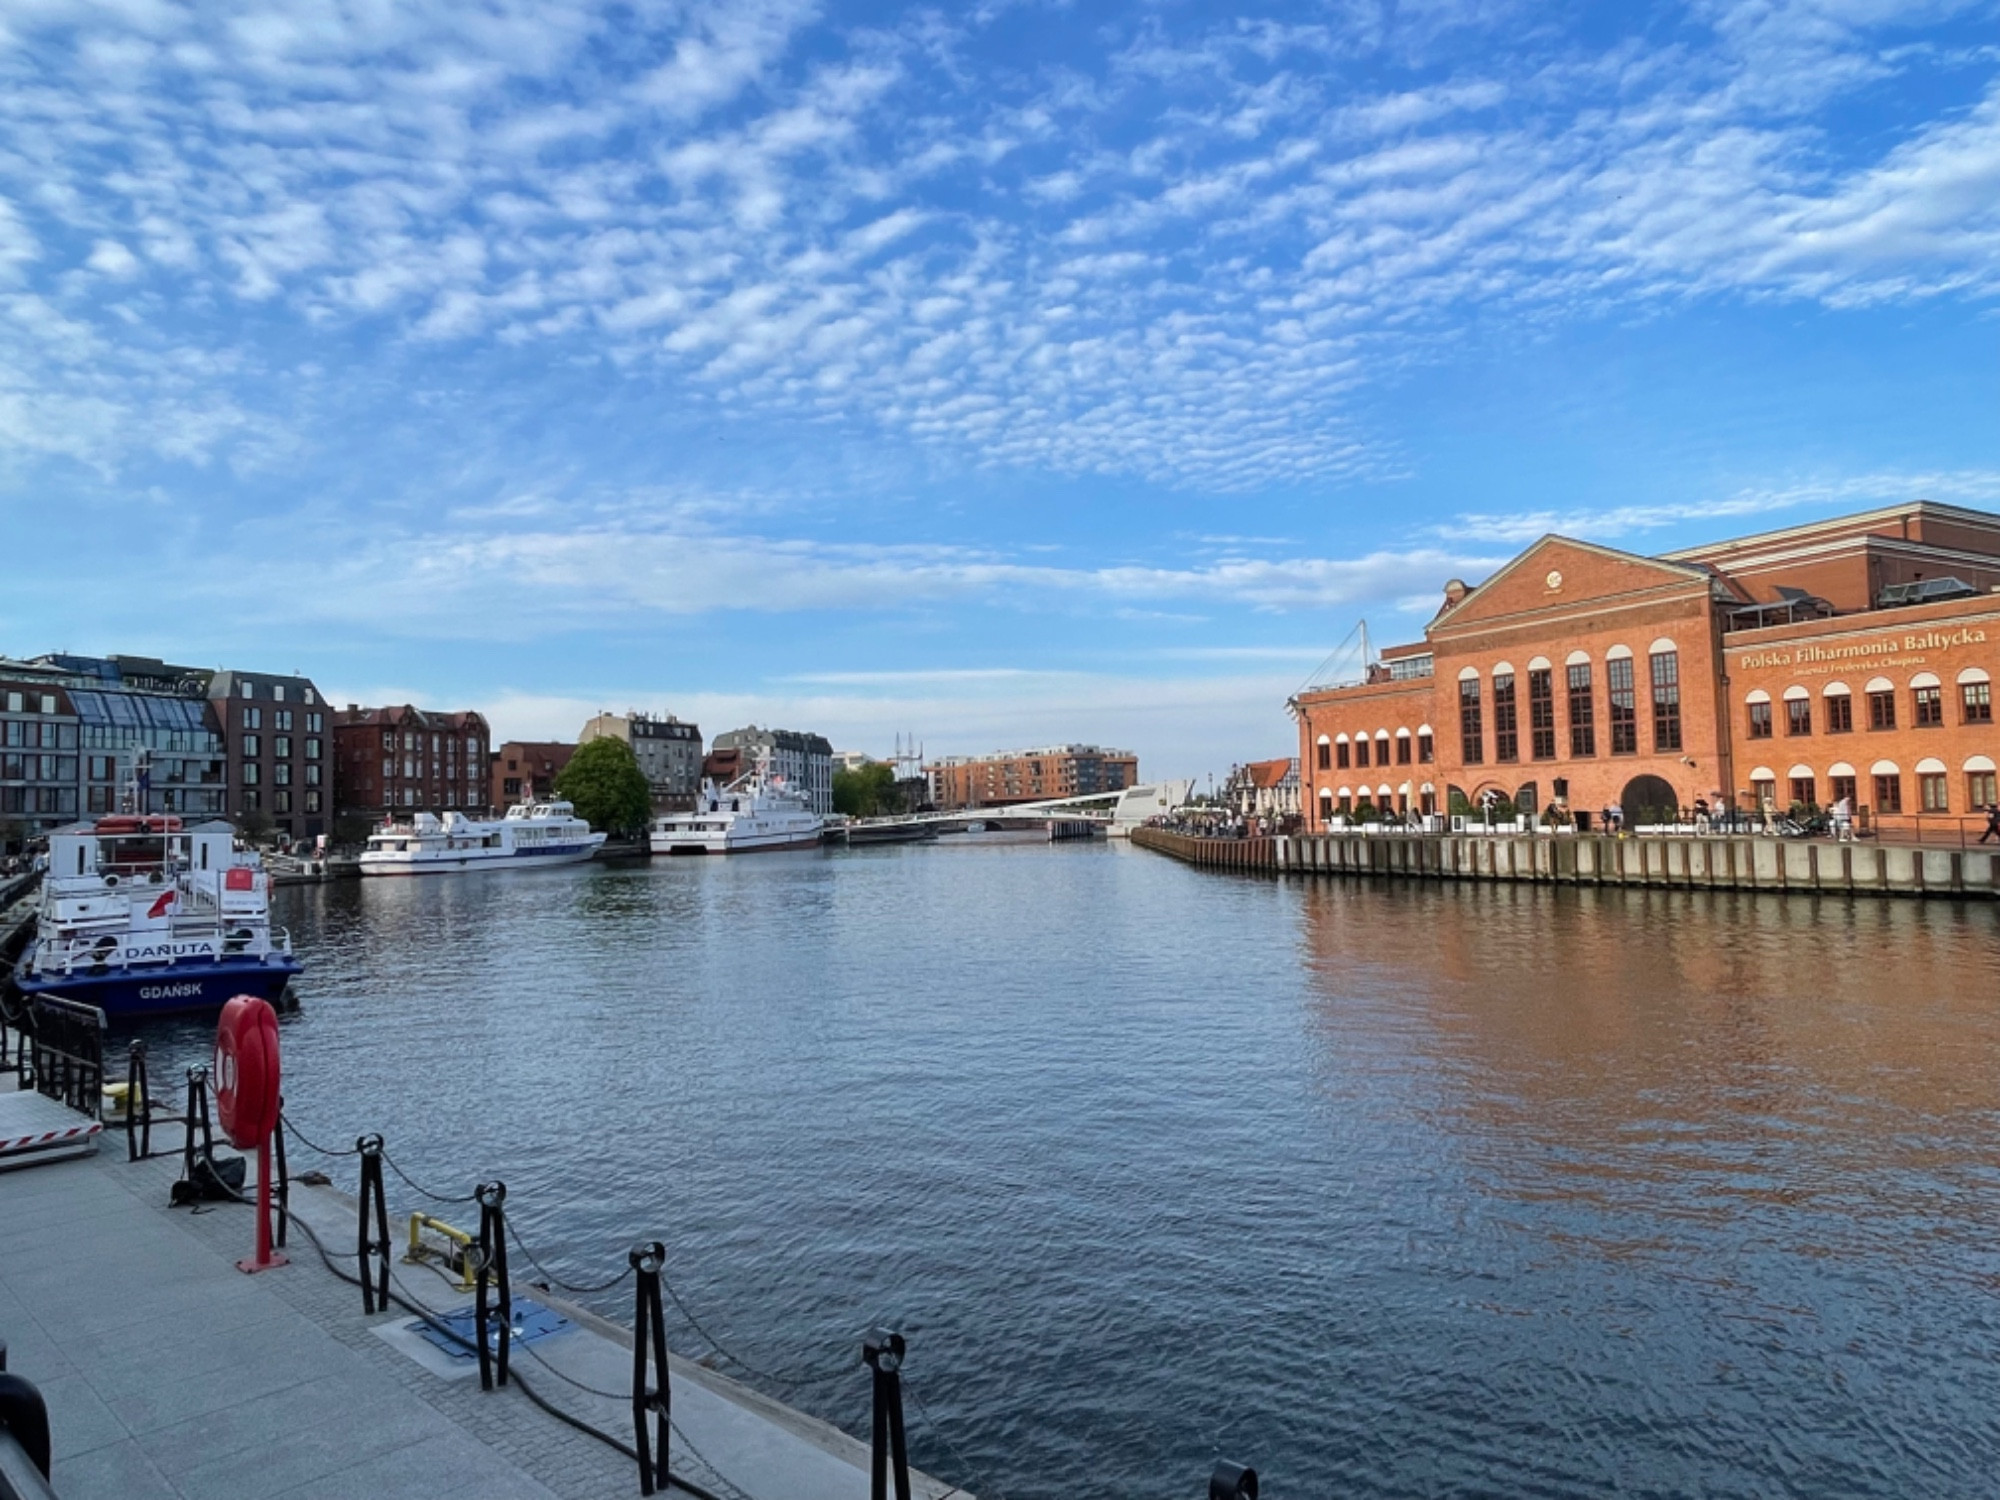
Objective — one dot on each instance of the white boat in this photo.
(531, 835)
(755, 812)
(143, 916)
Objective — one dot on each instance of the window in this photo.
(1930, 706)
(312, 775)
(312, 802)
(253, 718)
(312, 749)
(1978, 700)
(14, 703)
(250, 744)
(102, 768)
(1843, 786)
(388, 768)
(1980, 789)
(1839, 713)
(388, 739)
(1803, 791)
(1345, 754)
(1424, 747)
(248, 690)
(252, 801)
(278, 691)
(281, 746)
(1882, 711)
(281, 774)
(1542, 713)
(1760, 720)
(1666, 700)
(250, 771)
(1471, 732)
(409, 796)
(1506, 726)
(1624, 706)
(1403, 748)
(1325, 756)
(1798, 716)
(1888, 794)
(1931, 793)
(281, 801)
(1361, 751)
(309, 696)
(48, 703)
(314, 724)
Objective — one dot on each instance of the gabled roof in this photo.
(1516, 582)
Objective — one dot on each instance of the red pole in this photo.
(265, 1260)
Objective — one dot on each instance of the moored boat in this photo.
(754, 813)
(142, 916)
(531, 835)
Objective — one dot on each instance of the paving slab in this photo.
(169, 1373)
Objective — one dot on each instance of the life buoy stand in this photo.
(246, 1071)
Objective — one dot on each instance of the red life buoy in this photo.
(246, 1071)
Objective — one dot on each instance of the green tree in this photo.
(604, 783)
(867, 792)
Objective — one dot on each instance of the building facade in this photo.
(1847, 658)
(804, 760)
(1266, 789)
(278, 761)
(1029, 775)
(38, 760)
(406, 759)
(668, 752)
(145, 739)
(526, 770)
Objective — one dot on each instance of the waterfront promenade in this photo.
(1688, 862)
(169, 1373)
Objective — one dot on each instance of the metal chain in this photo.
(790, 1381)
(555, 1280)
(942, 1436)
(306, 1141)
(734, 1491)
(419, 1187)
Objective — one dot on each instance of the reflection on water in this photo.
(1390, 1190)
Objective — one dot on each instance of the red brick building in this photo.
(407, 759)
(1851, 657)
(526, 770)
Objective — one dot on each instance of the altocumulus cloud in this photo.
(1167, 245)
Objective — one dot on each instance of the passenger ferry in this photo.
(140, 916)
(531, 835)
(753, 813)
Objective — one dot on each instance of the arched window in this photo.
(1506, 726)
(1975, 699)
(1624, 697)
(1881, 704)
(1888, 780)
(1403, 747)
(1582, 705)
(1426, 745)
(1471, 728)
(1933, 786)
(1325, 753)
(1981, 791)
(1805, 789)
(1927, 699)
(1666, 665)
(1798, 711)
(1342, 751)
(1841, 784)
(1839, 709)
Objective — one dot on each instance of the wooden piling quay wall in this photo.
(1678, 862)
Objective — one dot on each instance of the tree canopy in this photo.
(604, 783)
(866, 792)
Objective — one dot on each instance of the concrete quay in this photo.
(168, 1373)
(1682, 862)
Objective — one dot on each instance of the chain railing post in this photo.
(197, 1114)
(283, 1186)
(882, 1352)
(138, 1106)
(374, 1287)
(649, 1337)
(493, 1268)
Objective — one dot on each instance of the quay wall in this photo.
(1675, 862)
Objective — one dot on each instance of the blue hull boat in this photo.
(173, 990)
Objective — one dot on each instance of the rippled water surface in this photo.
(1388, 1190)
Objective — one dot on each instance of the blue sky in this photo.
(1005, 374)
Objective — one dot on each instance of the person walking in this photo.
(1843, 821)
(1992, 823)
(1701, 815)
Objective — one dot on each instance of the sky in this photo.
(1000, 374)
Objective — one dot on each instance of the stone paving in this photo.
(169, 1373)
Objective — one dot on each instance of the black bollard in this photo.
(24, 1416)
(882, 1352)
(281, 1201)
(138, 1106)
(493, 1266)
(197, 1114)
(374, 1288)
(1232, 1482)
(649, 1335)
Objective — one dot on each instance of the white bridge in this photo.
(1116, 811)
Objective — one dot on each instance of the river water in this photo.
(1390, 1190)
